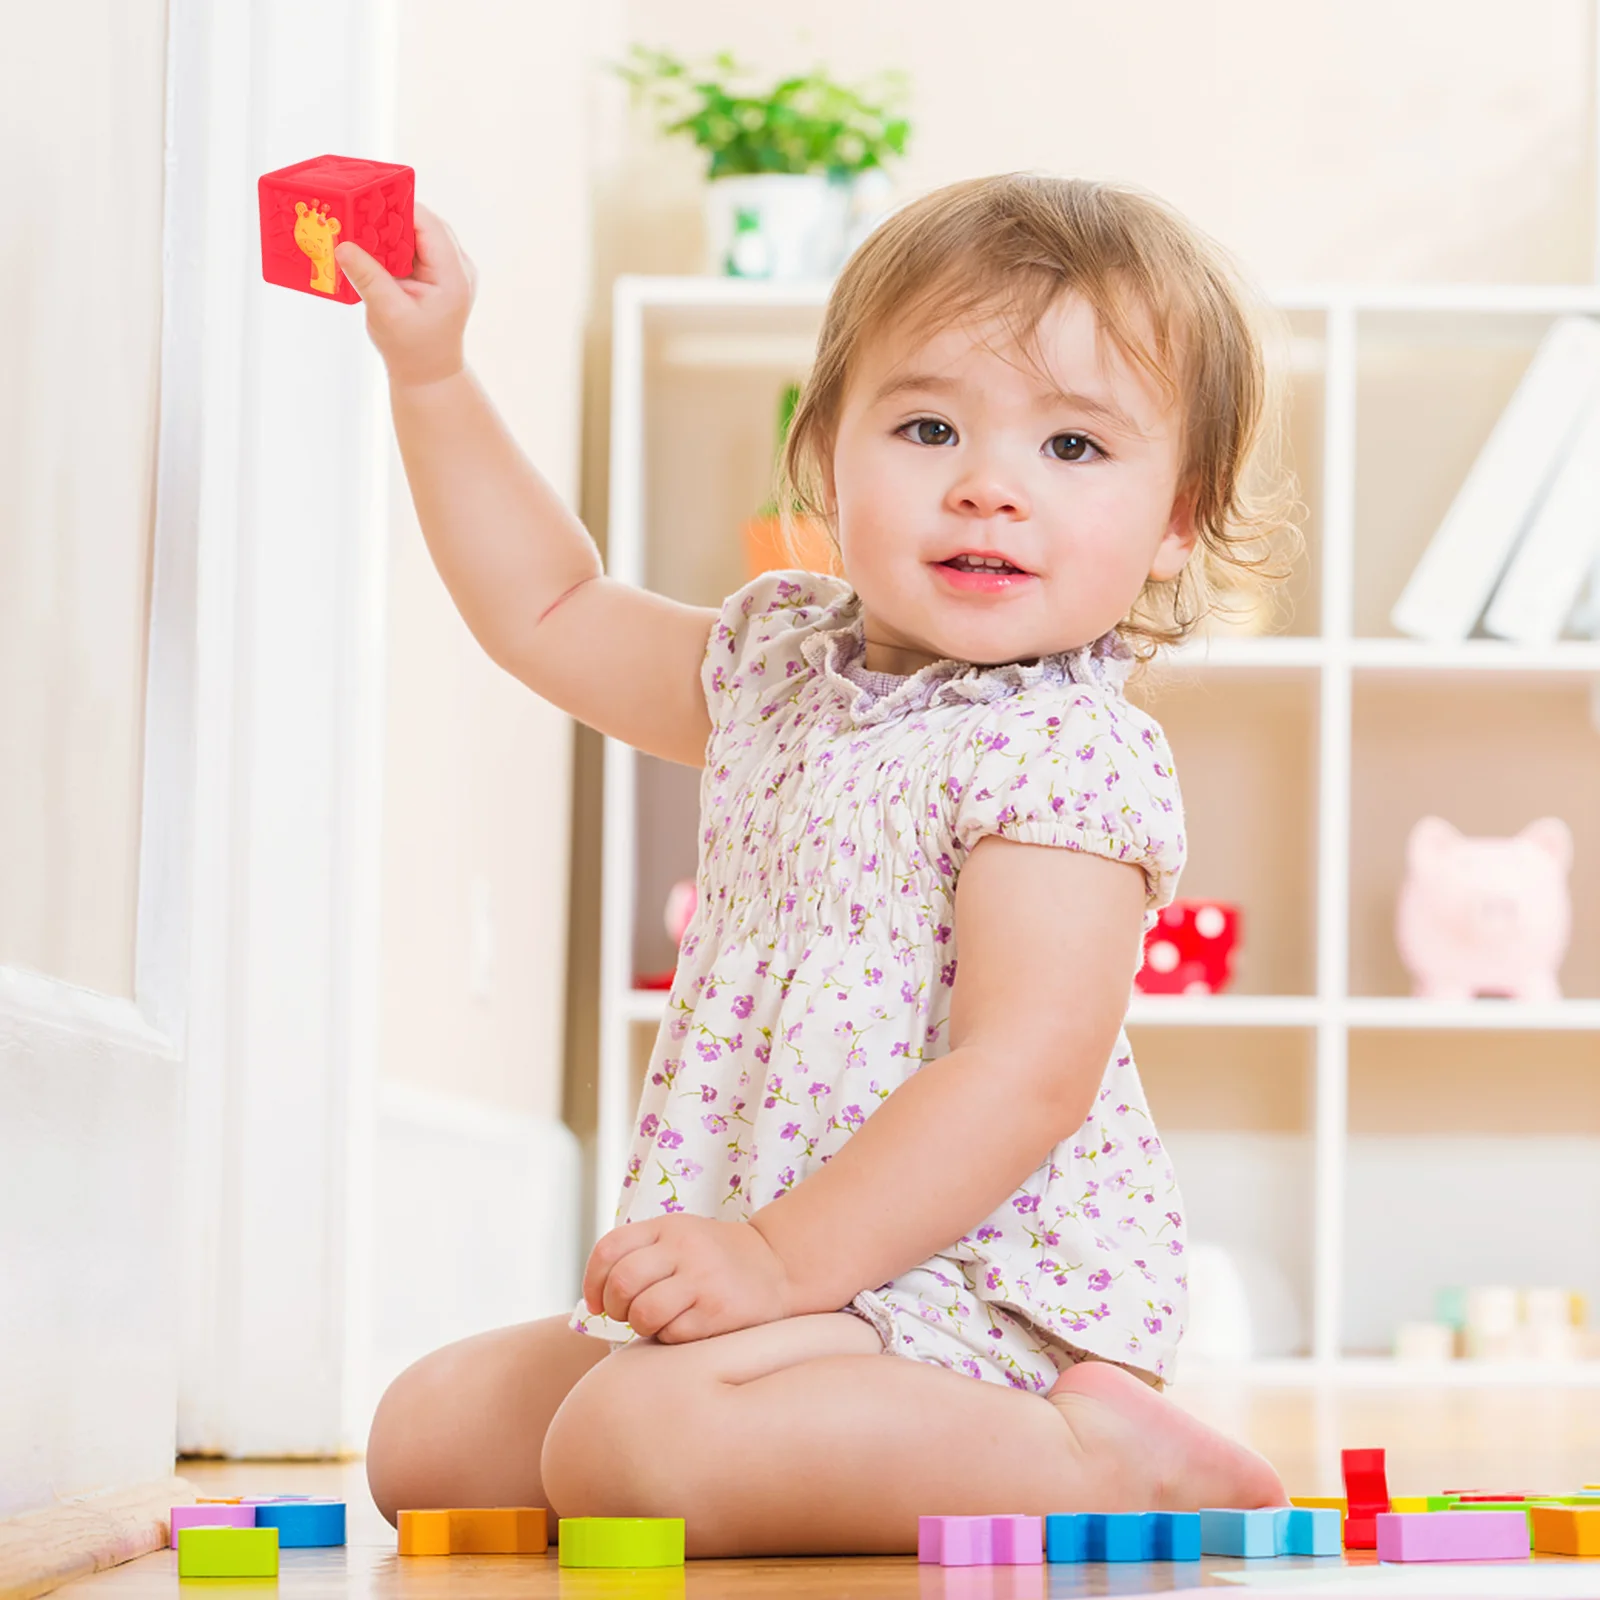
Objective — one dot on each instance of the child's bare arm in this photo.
(521, 568)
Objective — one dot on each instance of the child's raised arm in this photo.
(521, 568)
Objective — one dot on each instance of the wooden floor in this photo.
(1531, 1439)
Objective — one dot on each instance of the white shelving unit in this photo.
(729, 330)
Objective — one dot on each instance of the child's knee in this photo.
(397, 1443)
(606, 1451)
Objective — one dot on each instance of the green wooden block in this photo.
(621, 1541)
(1440, 1502)
(228, 1553)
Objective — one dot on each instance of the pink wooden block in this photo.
(956, 1541)
(1453, 1536)
(1017, 1541)
(210, 1517)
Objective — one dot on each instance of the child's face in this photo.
(1079, 491)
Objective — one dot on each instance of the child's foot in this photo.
(1157, 1456)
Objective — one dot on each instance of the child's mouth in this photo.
(981, 578)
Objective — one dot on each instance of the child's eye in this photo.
(920, 423)
(1074, 446)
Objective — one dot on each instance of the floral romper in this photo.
(816, 974)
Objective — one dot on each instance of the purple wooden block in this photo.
(955, 1541)
(1453, 1536)
(210, 1517)
(1017, 1541)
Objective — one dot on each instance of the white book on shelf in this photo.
(1547, 574)
(1452, 582)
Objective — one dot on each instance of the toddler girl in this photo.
(891, 1110)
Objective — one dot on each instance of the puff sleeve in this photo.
(753, 652)
(1082, 769)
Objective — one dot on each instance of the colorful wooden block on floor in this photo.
(1005, 1541)
(303, 1524)
(228, 1553)
(481, 1531)
(622, 1541)
(1452, 1536)
(1565, 1531)
(1410, 1503)
(1117, 1536)
(209, 1516)
(1174, 1535)
(1366, 1493)
(1066, 1537)
(216, 1499)
(1249, 1534)
(424, 1533)
(1309, 1531)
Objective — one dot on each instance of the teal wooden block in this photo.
(1175, 1535)
(1311, 1531)
(1066, 1537)
(1250, 1534)
(1117, 1536)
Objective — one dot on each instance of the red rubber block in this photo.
(309, 208)
(1452, 1536)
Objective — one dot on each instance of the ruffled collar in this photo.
(1104, 664)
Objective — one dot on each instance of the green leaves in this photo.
(805, 123)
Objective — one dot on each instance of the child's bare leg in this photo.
(464, 1425)
(802, 1437)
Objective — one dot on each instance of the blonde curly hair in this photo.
(1009, 247)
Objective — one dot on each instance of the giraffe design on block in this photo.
(316, 232)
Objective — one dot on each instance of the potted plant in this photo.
(791, 169)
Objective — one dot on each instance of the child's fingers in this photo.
(632, 1275)
(609, 1249)
(660, 1306)
(378, 291)
(440, 258)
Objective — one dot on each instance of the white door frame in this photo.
(289, 436)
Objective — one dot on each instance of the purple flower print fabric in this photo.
(816, 975)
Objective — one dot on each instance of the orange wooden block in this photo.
(1563, 1531)
(487, 1531)
(216, 1499)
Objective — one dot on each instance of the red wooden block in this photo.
(314, 205)
(1366, 1487)
(1190, 949)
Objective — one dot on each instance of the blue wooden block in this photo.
(302, 1524)
(1118, 1536)
(1175, 1535)
(1312, 1531)
(1066, 1537)
(1249, 1534)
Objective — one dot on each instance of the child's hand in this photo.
(681, 1278)
(417, 323)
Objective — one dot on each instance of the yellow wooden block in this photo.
(424, 1533)
(474, 1531)
(1322, 1502)
(1408, 1502)
(1565, 1531)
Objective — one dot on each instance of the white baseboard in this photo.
(477, 1216)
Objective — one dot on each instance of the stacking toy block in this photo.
(1066, 1537)
(1366, 1489)
(1239, 1533)
(1017, 1541)
(303, 1524)
(1452, 1536)
(1412, 1503)
(424, 1533)
(216, 1500)
(1565, 1531)
(489, 1531)
(1309, 1531)
(210, 1516)
(315, 205)
(624, 1541)
(1118, 1536)
(228, 1553)
(1173, 1535)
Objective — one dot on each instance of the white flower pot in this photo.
(776, 225)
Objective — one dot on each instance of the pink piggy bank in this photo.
(1485, 916)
